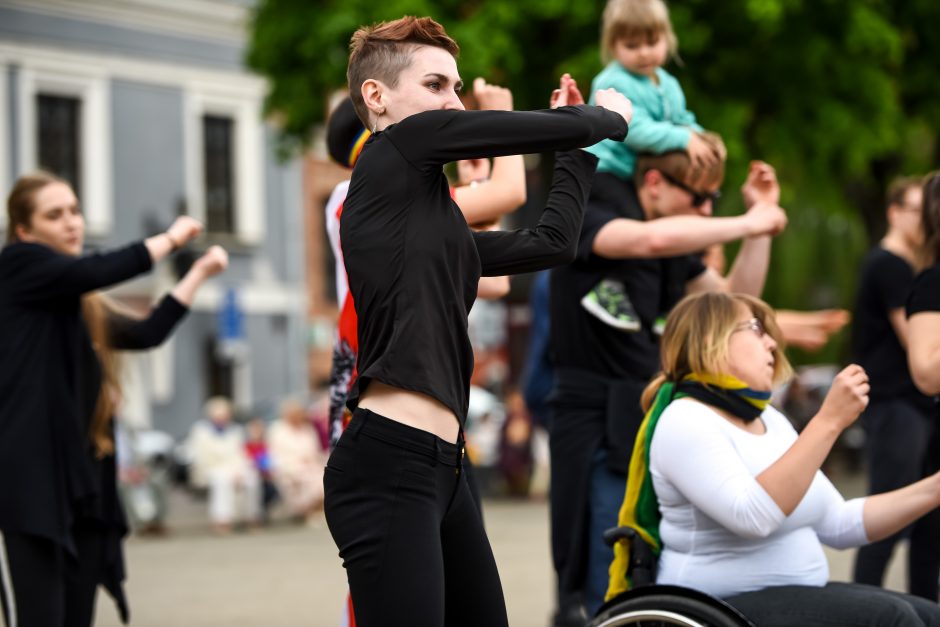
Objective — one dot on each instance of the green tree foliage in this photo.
(840, 95)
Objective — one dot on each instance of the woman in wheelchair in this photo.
(733, 500)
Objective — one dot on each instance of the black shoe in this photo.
(570, 616)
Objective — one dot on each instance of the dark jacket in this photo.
(50, 479)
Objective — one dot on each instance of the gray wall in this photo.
(147, 131)
(17, 25)
(148, 184)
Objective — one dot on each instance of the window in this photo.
(224, 163)
(221, 372)
(64, 125)
(218, 160)
(58, 123)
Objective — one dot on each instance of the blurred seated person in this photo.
(297, 460)
(143, 477)
(256, 446)
(515, 457)
(732, 499)
(221, 465)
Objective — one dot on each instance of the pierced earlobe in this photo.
(375, 124)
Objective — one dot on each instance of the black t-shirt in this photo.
(884, 285)
(925, 293)
(583, 342)
(413, 263)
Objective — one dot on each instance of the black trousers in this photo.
(576, 434)
(42, 586)
(410, 536)
(902, 448)
(839, 603)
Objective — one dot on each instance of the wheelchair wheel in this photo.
(667, 608)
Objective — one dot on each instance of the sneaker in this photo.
(659, 325)
(608, 301)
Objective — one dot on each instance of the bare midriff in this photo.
(411, 408)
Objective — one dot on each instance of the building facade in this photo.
(146, 107)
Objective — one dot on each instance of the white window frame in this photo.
(248, 166)
(5, 144)
(92, 88)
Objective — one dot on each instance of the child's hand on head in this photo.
(702, 153)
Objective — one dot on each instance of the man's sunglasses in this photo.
(698, 198)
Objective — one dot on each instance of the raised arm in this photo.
(182, 231)
(39, 274)
(554, 240)
(505, 188)
(923, 355)
(432, 138)
(788, 478)
(923, 315)
(128, 333)
(623, 238)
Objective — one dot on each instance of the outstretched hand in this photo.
(491, 97)
(761, 185)
(183, 230)
(567, 93)
(614, 101)
(212, 262)
(847, 397)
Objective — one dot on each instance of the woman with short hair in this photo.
(397, 503)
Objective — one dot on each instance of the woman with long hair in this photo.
(733, 500)
(60, 520)
(397, 503)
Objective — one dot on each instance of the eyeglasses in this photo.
(753, 324)
(698, 198)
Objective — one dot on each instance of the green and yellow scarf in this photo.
(640, 509)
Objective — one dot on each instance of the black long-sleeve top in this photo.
(50, 378)
(413, 263)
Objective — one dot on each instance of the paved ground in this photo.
(290, 576)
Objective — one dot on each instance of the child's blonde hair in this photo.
(636, 19)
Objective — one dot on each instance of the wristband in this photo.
(174, 245)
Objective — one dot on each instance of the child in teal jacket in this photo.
(637, 40)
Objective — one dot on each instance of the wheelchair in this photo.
(649, 604)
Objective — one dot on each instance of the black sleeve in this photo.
(596, 216)
(432, 138)
(133, 334)
(892, 278)
(37, 273)
(552, 242)
(925, 295)
(694, 267)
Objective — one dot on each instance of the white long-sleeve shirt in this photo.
(722, 533)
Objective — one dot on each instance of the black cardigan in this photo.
(50, 479)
